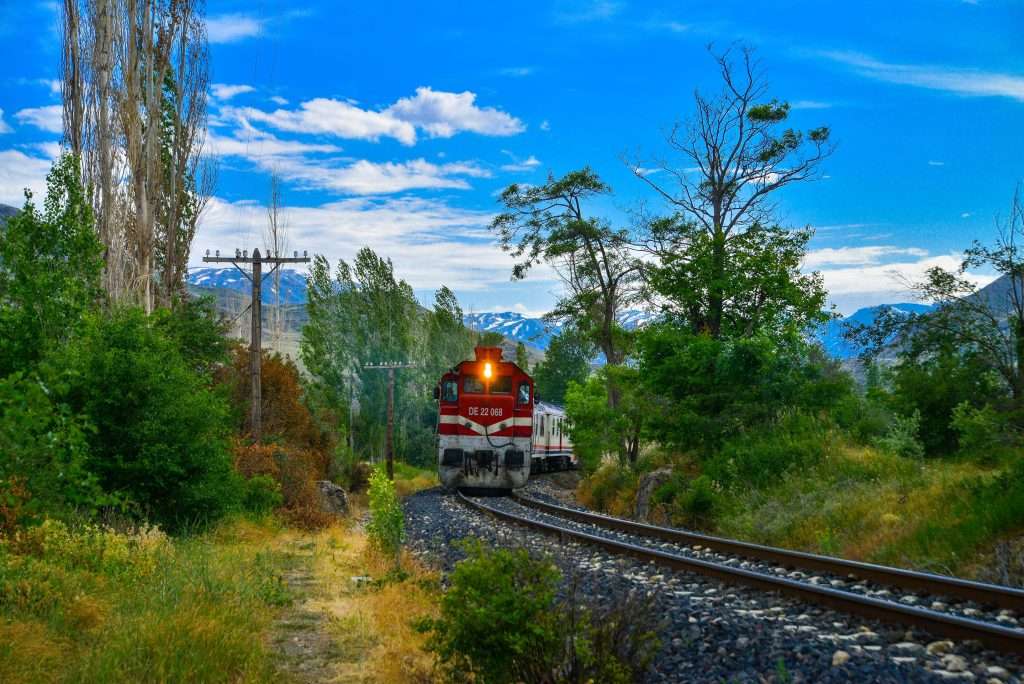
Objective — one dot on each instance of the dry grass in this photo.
(371, 618)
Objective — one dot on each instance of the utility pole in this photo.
(255, 342)
(389, 445)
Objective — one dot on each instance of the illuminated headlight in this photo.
(487, 370)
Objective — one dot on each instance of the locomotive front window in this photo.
(523, 395)
(450, 391)
(502, 385)
(473, 385)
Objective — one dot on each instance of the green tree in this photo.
(522, 358)
(50, 267)
(598, 429)
(733, 156)
(160, 437)
(566, 360)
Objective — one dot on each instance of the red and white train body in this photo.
(485, 423)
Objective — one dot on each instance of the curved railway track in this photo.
(940, 623)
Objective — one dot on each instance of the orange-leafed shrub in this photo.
(295, 471)
(286, 417)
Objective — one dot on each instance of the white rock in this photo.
(954, 663)
(939, 605)
(840, 658)
(997, 672)
(907, 648)
(940, 647)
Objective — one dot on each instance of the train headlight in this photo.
(487, 371)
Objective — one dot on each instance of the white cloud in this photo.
(932, 162)
(959, 81)
(517, 72)
(585, 11)
(518, 165)
(225, 91)
(4, 127)
(545, 126)
(966, 214)
(278, 100)
(443, 114)
(363, 177)
(229, 28)
(252, 144)
(429, 241)
(332, 117)
(19, 171)
(857, 256)
(810, 104)
(47, 118)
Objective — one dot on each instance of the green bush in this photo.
(386, 528)
(44, 449)
(160, 442)
(261, 494)
(902, 437)
(863, 418)
(981, 431)
(502, 621)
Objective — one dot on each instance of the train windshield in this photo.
(499, 385)
(473, 385)
(502, 385)
(450, 391)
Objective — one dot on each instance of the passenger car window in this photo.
(450, 391)
(523, 396)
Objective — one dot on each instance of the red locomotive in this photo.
(485, 423)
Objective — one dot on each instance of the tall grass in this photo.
(89, 604)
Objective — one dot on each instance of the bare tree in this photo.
(275, 241)
(734, 157)
(134, 85)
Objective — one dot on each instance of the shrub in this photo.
(347, 471)
(294, 472)
(160, 442)
(901, 439)
(261, 494)
(980, 431)
(42, 471)
(611, 488)
(502, 621)
(386, 528)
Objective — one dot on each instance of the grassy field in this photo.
(91, 604)
(951, 515)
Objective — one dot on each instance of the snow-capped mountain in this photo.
(536, 331)
(831, 334)
(293, 283)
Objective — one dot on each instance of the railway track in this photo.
(724, 560)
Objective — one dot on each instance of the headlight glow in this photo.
(487, 370)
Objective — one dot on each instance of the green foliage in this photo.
(522, 358)
(756, 274)
(50, 265)
(902, 437)
(596, 427)
(566, 360)
(498, 621)
(197, 331)
(261, 494)
(983, 432)
(386, 528)
(160, 442)
(44, 447)
(702, 390)
(502, 622)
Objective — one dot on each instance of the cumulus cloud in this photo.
(959, 81)
(364, 177)
(518, 165)
(230, 28)
(429, 241)
(442, 114)
(46, 118)
(331, 117)
(252, 144)
(858, 256)
(438, 113)
(225, 91)
(19, 171)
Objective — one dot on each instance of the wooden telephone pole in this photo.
(389, 447)
(255, 341)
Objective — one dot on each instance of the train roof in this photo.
(545, 407)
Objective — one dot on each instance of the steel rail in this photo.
(956, 627)
(910, 580)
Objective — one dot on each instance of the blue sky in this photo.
(394, 125)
